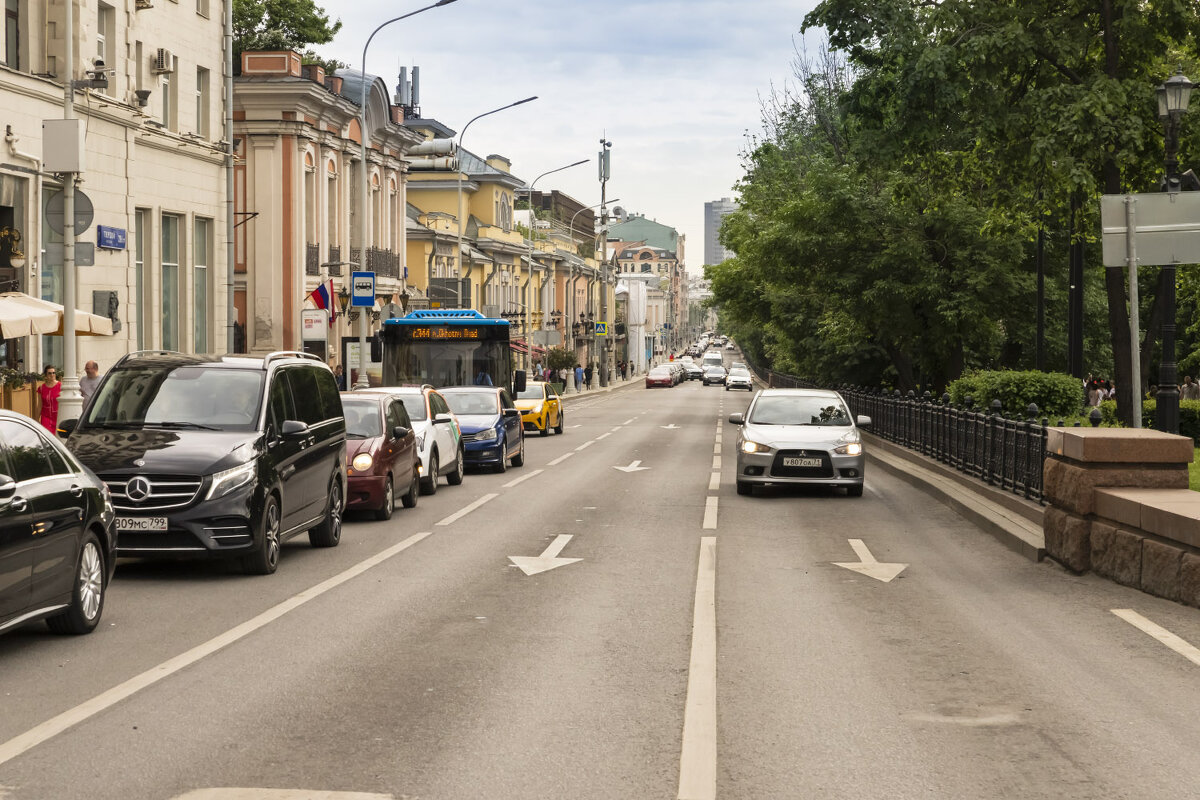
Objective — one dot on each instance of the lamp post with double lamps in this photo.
(528, 317)
(363, 195)
(458, 207)
(1173, 99)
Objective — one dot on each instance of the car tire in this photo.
(519, 459)
(329, 530)
(455, 478)
(265, 558)
(546, 430)
(87, 595)
(558, 429)
(745, 487)
(409, 498)
(384, 512)
(502, 463)
(429, 484)
(854, 491)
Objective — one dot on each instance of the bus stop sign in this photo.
(362, 289)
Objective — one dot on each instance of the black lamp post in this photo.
(1173, 98)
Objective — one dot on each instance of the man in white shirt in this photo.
(89, 381)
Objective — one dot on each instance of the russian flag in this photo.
(322, 298)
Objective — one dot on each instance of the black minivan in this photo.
(217, 456)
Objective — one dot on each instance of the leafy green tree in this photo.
(282, 25)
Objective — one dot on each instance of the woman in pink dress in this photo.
(48, 400)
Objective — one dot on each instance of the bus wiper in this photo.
(190, 425)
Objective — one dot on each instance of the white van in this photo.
(712, 358)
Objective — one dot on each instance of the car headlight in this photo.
(225, 482)
(538, 408)
(489, 435)
(850, 449)
(754, 447)
(362, 462)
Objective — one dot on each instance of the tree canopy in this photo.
(281, 25)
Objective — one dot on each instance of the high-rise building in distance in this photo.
(714, 212)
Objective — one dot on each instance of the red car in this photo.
(381, 453)
(661, 375)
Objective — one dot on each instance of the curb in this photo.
(1014, 521)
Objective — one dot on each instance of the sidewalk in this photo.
(613, 385)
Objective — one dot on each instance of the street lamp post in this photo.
(1173, 98)
(363, 194)
(458, 209)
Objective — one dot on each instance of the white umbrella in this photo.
(24, 315)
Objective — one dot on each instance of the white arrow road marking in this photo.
(548, 559)
(710, 513)
(671, 427)
(714, 482)
(633, 467)
(1172, 641)
(524, 477)
(698, 756)
(462, 512)
(867, 565)
(560, 459)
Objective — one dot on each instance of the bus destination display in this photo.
(460, 333)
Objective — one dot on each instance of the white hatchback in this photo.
(439, 440)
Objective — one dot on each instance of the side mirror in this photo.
(8, 487)
(442, 419)
(518, 381)
(512, 412)
(737, 419)
(399, 432)
(67, 426)
(292, 428)
(863, 421)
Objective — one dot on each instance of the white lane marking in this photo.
(462, 512)
(574, 426)
(710, 513)
(1188, 651)
(242, 793)
(716, 462)
(714, 482)
(585, 444)
(716, 448)
(614, 430)
(560, 459)
(718, 437)
(524, 477)
(868, 565)
(548, 560)
(629, 421)
(604, 436)
(56, 725)
(698, 756)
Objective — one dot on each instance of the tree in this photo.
(282, 25)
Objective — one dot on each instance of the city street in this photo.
(680, 641)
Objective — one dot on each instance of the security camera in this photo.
(143, 97)
(97, 64)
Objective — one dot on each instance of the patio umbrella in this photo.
(25, 315)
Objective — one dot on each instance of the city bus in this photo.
(448, 347)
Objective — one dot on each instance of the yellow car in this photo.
(541, 408)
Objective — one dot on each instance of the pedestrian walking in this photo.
(48, 394)
(588, 371)
(1190, 389)
(89, 381)
(339, 375)
(578, 377)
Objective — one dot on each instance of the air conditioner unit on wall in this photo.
(163, 61)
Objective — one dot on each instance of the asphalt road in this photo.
(703, 645)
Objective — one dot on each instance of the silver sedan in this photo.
(799, 436)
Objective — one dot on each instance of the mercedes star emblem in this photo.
(138, 489)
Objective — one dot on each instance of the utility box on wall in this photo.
(62, 145)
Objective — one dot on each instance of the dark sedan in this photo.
(492, 432)
(381, 453)
(57, 542)
(714, 376)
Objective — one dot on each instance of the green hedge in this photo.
(1189, 416)
(1056, 394)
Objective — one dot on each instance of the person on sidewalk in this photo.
(588, 371)
(578, 378)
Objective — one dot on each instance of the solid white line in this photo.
(524, 477)
(56, 725)
(698, 757)
(710, 513)
(716, 462)
(604, 436)
(585, 444)
(559, 460)
(1188, 651)
(714, 482)
(462, 512)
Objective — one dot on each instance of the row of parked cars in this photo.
(185, 456)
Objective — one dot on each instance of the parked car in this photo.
(739, 379)
(714, 376)
(57, 542)
(218, 456)
(799, 436)
(381, 453)
(492, 432)
(439, 440)
(541, 408)
(660, 376)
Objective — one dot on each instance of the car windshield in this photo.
(532, 391)
(414, 404)
(185, 397)
(799, 410)
(468, 403)
(739, 373)
(716, 370)
(660, 371)
(362, 418)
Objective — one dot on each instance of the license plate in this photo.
(141, 524)
(801, 462)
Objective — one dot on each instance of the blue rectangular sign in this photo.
(362, 289)
(110, 238)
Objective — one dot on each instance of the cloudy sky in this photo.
(675, 86)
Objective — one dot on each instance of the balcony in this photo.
(384, 263)
(335, 257)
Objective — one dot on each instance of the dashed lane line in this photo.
(523, 478)
(585, 445)
(716, 462)
(698, 755)
(629, 421)
(1181, 646)
(716, 448)
(467, 509)
(714, 482)
(560, 459)
(614, 430)
(710, 513)
(604, 436)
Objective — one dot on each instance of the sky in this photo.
(675, 85)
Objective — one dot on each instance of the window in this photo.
(170, 96)
(202, 7)
(139, 274)
(203, 246)
(306, 394)
(26, 453)
(106, 20)
(281, 401)
(202, 95)
(12, 34)
(170, 282)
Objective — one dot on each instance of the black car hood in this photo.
(162, 451)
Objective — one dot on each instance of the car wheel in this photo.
(502, 463)
(559, 427)
(329, 530)
(855, 490)
(727, 388)
(429, 484)
(744, 487)
(87, 596)
(384, 512)
(265, 559)
(456, 477)
(519, 459)
(409, 499)
(545, 431)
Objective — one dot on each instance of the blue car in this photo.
(492, 433)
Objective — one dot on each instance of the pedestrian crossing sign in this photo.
(602, 329)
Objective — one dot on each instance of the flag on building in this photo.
(322, 297)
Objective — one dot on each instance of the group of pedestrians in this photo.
(1098, 390)
(46, 405)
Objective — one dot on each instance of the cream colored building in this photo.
(154, 171)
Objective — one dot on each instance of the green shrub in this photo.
(1189, 415)
(1056, 394)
